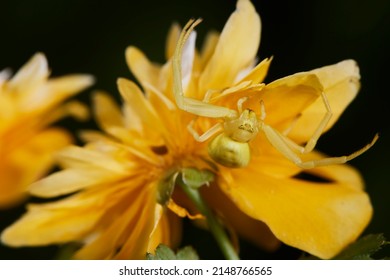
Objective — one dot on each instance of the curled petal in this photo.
(341, 85)
(301, 90)
(183, 212)
(319, 218)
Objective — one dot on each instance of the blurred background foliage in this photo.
(89, 36)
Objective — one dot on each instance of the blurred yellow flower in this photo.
(118, 174)
(29, 103)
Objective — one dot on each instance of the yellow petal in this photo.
(55, 91)
(267, 160)
(145, 71)
(338, 173)
(8, 109)
(210, 42)
(5, 74)
(131, 146)
(31, 75)
(29, 163)
(298, 89)
(75, 156)
(332, 75)
(182, 212)
(341, 84)
(257, 74)
(107, 112)
(130, 221)
(59, 222)
(136, 244)
(70, 180)
(77, 110)
(236, 49)
(319, 218)
(161, 233)
(13, 186)
(105, 245)
(172, 38)
(138, 104)
(250, 229)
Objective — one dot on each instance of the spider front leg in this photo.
(279, 142)
(217, 128)
(187, 104)
(240, 102)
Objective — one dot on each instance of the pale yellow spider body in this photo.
(230, 147)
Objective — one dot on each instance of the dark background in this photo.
(91, 37)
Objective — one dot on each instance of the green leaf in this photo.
(187, 253)
(364, 248)
(163, 252)
(195, 178)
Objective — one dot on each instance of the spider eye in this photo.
(248, 127)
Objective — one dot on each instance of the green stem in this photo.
(215, 227)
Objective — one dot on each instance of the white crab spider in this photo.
(230, 147)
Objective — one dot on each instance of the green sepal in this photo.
(165, 187)
(364, 248)
(195, 178)
(187, 253)
(163, 252)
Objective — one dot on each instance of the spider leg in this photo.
(187, 104)
(321, 127)
(311, 143)
(207, 97)
(240, 102)
(217, 128)
(279, 142)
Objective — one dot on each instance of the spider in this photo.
(230, 146)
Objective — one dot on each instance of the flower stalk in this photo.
(215, 226)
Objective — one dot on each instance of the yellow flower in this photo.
(118, 174)
(115, 214)
(29, 103)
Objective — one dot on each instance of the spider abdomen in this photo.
(229, 152)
